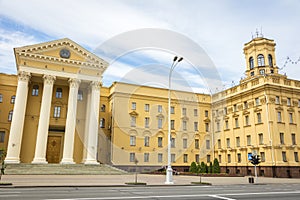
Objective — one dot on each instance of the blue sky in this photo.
(219, 27)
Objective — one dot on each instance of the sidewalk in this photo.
(120, 180)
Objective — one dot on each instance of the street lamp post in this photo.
(169, 171)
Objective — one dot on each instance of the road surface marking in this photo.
(219, 197)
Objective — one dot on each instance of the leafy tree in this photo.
(203, 168)
(2, 156)
(216, 167)
(210, 168)
(194, 168)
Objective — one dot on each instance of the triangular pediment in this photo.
(64, 52)
(133, 113)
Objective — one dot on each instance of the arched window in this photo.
(10, 114)
(260, 60)
(103, 108)
(35, 90)
(58, 93)
(13, 99)
(270, 60)
(102, 123)
(251, 62)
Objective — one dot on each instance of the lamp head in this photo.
(175, 58)
(180, 59)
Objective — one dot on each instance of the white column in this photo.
(71, 123)
(42, 134)
(91, 133)
(17, 124)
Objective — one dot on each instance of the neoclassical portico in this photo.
(51, 65)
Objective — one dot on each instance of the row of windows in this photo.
(160, 109)
(260, 61)
(173, 142)
(132, 157)
(260, 140)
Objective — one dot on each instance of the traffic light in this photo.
(255, 159)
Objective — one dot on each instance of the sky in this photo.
(207, 34)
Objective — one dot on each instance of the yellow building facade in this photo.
(66, 116)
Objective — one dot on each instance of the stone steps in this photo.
(47, 169)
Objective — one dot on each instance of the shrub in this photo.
(216, 167)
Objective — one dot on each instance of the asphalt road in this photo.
(228, 192)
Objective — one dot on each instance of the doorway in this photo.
(54, 146)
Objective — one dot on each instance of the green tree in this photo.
(203, 168)
(216, 167)
(194, 168)
(2, 156)
(210, 168)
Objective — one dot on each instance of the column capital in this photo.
(49, 79)
(74, 83)
(96, 85)
(23, 76)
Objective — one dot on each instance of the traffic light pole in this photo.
(255, 174)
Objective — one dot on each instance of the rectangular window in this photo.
(147, 121)
(184, 143)
(1, 98)
(184, 111)
(103, 107)
(80, 97)
(185, 158)
(132, 157)
(245, 104)
(220, 158)
(159, 141)
(219, 144)
(146, 141)
(147, 107)
(236, 121)
(279, 117)
(2, 136)
(159, 108)
(195, 112)
(132, 140)
(293, 139)
(299, 103)
(146, 157)
(13, 99)
(184, 125)
(172, 110)
(196, 143)
(281, 138)
(296, 157)
(35, 90)
(172, 124)
(102, 123)
(208, 159)
(10, 115)
(207, 127)
(56, 113)
(277, 100)
(239, 158)
(133, 106)
(173, 157)
(218, 126)
(247, 120)
(58, 93)
(238, 141)
(248, 140)
(228, 158)
(228, 142)
(234, 108)
(258, 118)
(291, 118)
(195, 126)
(197, 158)
(160, 120)
(262, 156)
(207, 144)
(160, 157)
(288, 102)
(226, 125)
(172, 142)
(257, 101)
(132, 121)
(284, 156)
(261, 138)
(225, 111)
(206, 113)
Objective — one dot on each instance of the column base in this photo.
(91, 162)
(169, 176)
(39, 161)
(12, 161)
(67, 161)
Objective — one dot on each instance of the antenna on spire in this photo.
(261, 32)
(257, 33)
